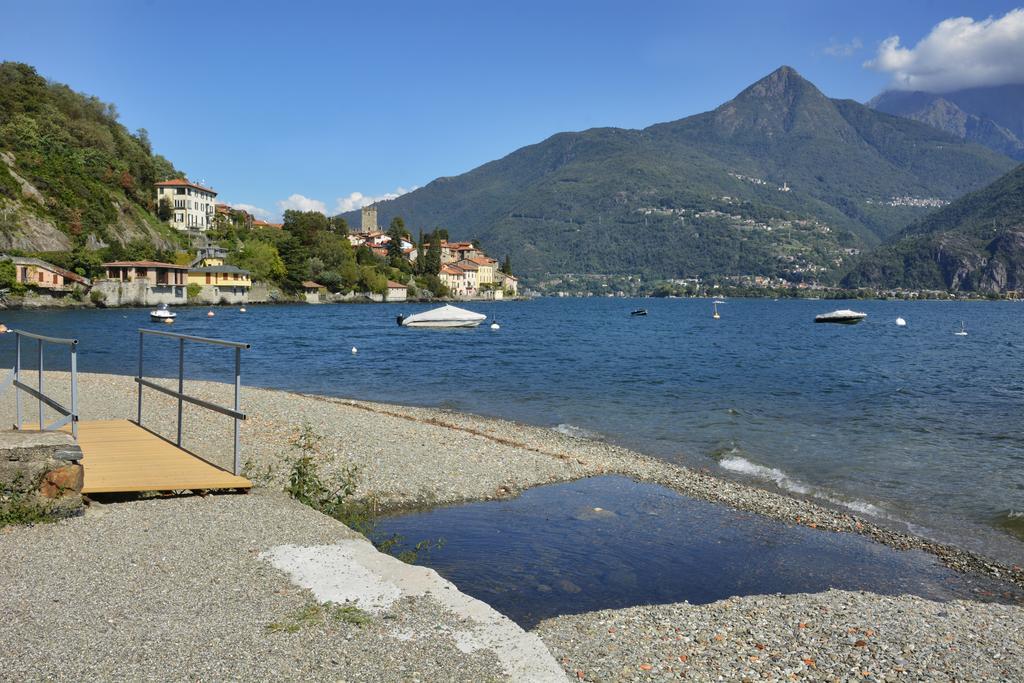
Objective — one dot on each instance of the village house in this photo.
(143, 283)
(218, 281)
(193, 205)
(257, 223)
(452, 252)
(396, 291)
(225, 215)
(510, 283)
(487, 269)
(461, 282)
(39, 274)
(313, 291)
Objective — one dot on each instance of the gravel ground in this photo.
(174, 589)
(832, 636)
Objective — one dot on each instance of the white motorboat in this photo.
(444, 316)
(162, 314)
(962, 332)
(843, 317)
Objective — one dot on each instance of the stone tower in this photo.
(369, 223)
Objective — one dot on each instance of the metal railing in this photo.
(68, 415)
(235, 412)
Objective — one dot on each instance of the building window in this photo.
(179, 190)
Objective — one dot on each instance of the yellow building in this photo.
(219, 282)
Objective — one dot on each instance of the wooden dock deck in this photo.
(120, 456)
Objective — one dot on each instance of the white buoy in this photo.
(168, 320)
(354, 350)
(209, 314)
(495, 326)
(242, 309)
(900, 322)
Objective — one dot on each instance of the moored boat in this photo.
(843, 316)
(162, 314)
(444, 316)
(639, 311)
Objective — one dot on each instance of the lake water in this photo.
(913, 425)
(609, 543)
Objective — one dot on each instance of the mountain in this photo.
(781, 180)
(69, 172)
(975, 244)
(990, 116)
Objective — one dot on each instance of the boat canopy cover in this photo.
(444, 313)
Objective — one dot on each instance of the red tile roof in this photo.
(309, 284)
(182, 182)
(466, 264)
(395, 285)
(143, 264)
(257, 223)
(483, 260)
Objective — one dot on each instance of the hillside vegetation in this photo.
(70, 174)
(975, 244)
(696, 197)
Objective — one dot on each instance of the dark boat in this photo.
(842, 317)
(639, 311)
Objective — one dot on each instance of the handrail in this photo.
(69, 415)
(235, 413)
(204, 340)
(52, 340)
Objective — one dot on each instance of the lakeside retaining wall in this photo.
(140, 293)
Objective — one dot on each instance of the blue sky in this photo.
(314, 101)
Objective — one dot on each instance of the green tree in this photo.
(305, 225)
(432, 261)
(261, 259)
(396, 232)
(8, 274)
(506, 267)
(165, 209)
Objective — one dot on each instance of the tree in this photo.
(165, 209)
(305, 225)
(396, 232)
(432, 261)
(8, 274)
(506, 267)
(338, 224)
(442, 233)
(420, 253)
(261, 259)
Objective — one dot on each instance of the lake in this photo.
(912, 425)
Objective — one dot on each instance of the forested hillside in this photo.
(70, 174)
(975, 244)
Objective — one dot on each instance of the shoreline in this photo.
(412, 458)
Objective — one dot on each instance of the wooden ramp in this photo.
(120, 456)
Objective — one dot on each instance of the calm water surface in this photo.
(911, 424)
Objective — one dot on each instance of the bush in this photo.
(97, 297)
(193, 290)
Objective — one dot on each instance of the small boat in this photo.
(444, 316)
(900, 322)
(843, 317)
(162, 314)
(962, 332)
(719, 301)
(715, 314)
(639, 311)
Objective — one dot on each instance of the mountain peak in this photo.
(781, 102)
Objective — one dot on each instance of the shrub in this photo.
(193, 290)
(97, 297)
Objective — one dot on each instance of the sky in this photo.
(330, 105)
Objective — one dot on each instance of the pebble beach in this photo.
(409, 457)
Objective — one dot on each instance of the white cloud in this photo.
(958, 53)
(358, 200)
(301, 203)
(838, 49)
(254, 210)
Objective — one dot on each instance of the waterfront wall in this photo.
(140, 293)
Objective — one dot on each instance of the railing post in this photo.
(41, 392)
(17, 378)
(238, 409)
(181, 383)
(74, 392)
(139, 419)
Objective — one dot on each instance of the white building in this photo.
(193, 205)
